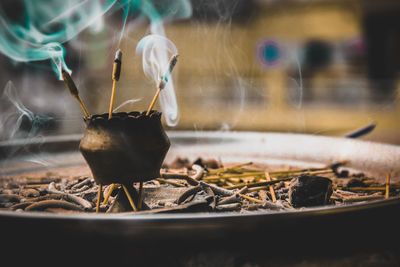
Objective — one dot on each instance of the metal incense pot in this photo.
(122, 148)
(127, 148)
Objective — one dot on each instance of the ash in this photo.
(204, 185)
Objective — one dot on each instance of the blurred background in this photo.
(304, 66)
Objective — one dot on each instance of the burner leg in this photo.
(129, 198)
(109, 194)
(387, 187)
(140, 201)
(98, 198)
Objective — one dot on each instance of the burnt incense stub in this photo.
(307, 191)
(129, 147)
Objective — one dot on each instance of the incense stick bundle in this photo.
(163, 81)
(73, 90)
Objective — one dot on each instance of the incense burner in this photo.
(129, 147)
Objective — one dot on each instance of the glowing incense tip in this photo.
(163, 81)
(70, 83)
(118, 55)
(117, 65)
(73, 90)
(171, 65)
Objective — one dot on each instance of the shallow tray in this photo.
(327, 226)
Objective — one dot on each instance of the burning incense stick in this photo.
(73, 90)
(115, 77)
(163, 81)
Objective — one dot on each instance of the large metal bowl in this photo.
(367, 225)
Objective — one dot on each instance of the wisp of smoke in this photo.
(155, 50)
(130, 101)
(47, 24)
(13, 112)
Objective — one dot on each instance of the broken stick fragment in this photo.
(271, 187)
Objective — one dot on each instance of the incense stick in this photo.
(140, 201)
(110, 190)
(163, 81)
(98, 198)
(387, 186)
(73, 90)
(251, 198)
(115, 77)
(129, 198)
(271, 187)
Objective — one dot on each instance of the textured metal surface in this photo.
(129, 147)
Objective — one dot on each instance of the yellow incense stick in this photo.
(73, 90)
(112, 99)
(271, 187)
(129, 198)
(115, 77)
(140, 195)
(153, 102)
(109, 193)
(163, 81)
(387, 187)
(251, 198)
(98, 198)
